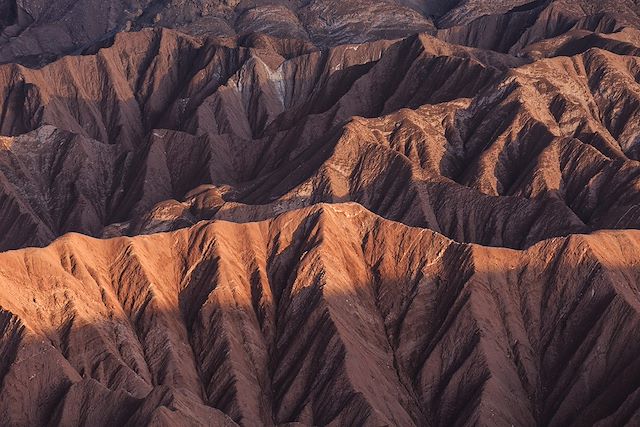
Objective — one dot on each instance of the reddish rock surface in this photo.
(384, 212)
(327, 314)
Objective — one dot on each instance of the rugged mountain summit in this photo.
(351, 213)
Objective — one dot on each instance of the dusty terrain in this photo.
(386, 212)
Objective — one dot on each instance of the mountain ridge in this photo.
(76, 261)
(319, 213)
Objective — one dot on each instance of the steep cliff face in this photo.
(324, 213)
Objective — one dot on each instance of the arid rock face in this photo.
(385, 212)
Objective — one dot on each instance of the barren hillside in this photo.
(386, 212)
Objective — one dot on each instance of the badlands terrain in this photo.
(319, 212)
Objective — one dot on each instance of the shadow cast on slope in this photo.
(463, 336)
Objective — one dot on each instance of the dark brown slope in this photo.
(327, 182)
(515, 30)
(35, 32)
(540, 150)
(327, 315)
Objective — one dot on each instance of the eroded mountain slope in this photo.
(322, 315)
(399, 127)
(35, 32)
(288, 201)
